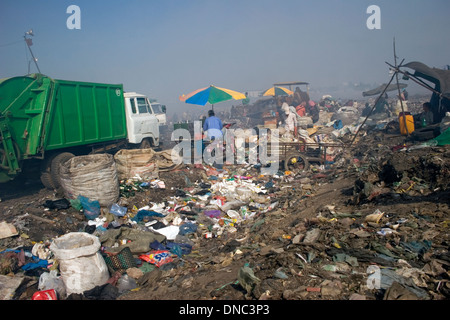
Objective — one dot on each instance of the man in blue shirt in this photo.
(213, 126)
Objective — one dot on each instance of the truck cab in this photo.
(160, 112)
(142, 123)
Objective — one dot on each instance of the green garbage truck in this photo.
(46, 121)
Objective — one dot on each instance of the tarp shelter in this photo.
(440, 99)
(293, 83)
(380, 89)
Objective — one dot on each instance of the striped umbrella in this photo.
(212, 95)
(278, 91)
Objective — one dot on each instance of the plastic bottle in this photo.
(424, 122)
(271, 207)
(126, 283)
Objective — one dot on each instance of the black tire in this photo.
(47, 181)
(423, 134)
(145, 144)
(45, 170)
(301, 163)
(54, 167)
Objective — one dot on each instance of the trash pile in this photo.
(369, 224)
(391, 244)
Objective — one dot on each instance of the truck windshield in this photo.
(157, 108)
(143, 106)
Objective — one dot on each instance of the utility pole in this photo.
(29, 43)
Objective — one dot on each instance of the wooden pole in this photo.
(371, 110)
(419, 82)
(398, 88)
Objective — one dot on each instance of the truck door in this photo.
(141, 122)
(137, 123)
(147, 118)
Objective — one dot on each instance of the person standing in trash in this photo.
(404, 94)
(213, 126)
(297, 96)
(300, 96)
(290, 122)
(281, 118)
(314, 111)
(301, 109)
(367, 110)
(382, 105)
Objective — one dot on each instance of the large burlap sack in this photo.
(167, 161)
(92, 176)
(144, 164)
(136, 164)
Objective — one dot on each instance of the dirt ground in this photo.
(376, 174)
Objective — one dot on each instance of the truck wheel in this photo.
(54, 166)
(145, 144)
(45, 170)
(47, 181)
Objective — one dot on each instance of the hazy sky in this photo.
(166, 48)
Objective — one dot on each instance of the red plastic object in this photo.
(45, 295)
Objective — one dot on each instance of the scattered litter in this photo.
(7, 230)
(360, 223)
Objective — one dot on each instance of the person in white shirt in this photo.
(290, 122)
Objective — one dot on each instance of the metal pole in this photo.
(412, 77)
(32, 55)
(371, 110)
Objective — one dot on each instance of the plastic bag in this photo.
(213, 213)
(118, 210)
(57, 204)
(158, 257)
(126, 283)
(76, 204)
(176, 249)
(51, 280)
(146, 213)
(179, 248)
(156, 245)
(187, 228)
(91, 209)
(170, 232)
